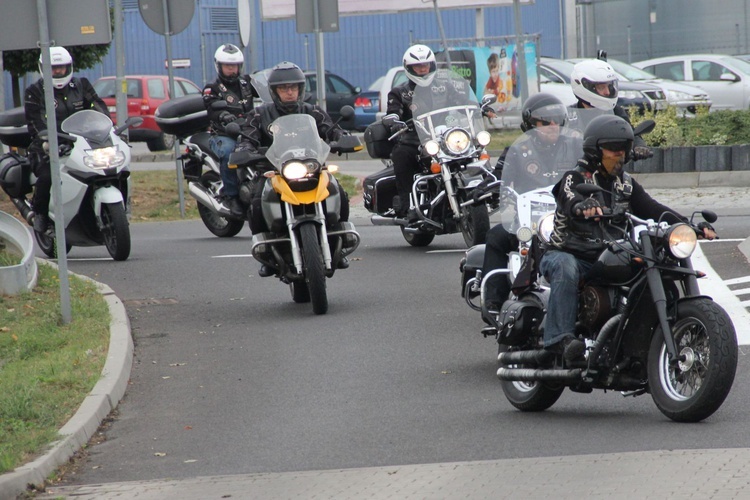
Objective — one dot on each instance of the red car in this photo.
(145, 93)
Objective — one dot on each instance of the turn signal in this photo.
(524, 252)
(484, 157)
(269, 174)
(435, 168)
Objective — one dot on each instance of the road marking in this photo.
(737, 281)
(230, 256)
(459, 250)
(721, 240)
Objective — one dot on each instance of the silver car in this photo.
(726, 79)
(684, 98)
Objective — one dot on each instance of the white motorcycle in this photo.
(95, 175)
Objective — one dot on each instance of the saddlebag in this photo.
(13, 129)
(15, 175)
(378, 190)
(376, 139)
(519, 319)
(183, 116)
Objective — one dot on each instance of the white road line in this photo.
(741, 291)
(737, 281)
(230, 256)
(713, 286)
(722, 240)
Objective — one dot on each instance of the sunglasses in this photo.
(616, 146)
(286, 87)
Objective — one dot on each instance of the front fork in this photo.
(319, 220)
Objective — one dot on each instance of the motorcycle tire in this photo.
(300, 292)
(695, 388)
(530, 396)
(116, 230)
(420, 239)
(315, 276)
(475, 222)
(48, 245)
(218, 225)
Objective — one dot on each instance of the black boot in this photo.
(41, 222)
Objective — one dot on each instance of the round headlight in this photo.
(483, 138)
(546, 226)
(457, 141)
(682, 240)
(431, 147)
(524, 234)
(294, 170)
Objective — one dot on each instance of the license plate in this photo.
(112, 109)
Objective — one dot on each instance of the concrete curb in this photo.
(102, 399)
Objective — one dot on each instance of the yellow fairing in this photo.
(301, 197)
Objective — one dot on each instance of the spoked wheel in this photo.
(48, 245)
(314, 268)
(475, 222)
(300, 292)
(530, 396)
(421, 239)
(116, 230)
(695, 387)
(218, 225)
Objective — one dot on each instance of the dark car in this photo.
(145, 94)
(339, 93)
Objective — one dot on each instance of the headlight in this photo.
(682, 240)
(294, 170)
(630, 94)
(457, 141)
(676, 95)
(483, 138)
(524, 234)
(546, 226)
(431, 147)
(101, 158)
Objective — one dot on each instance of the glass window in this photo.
(670, 71)
(134, 88)
(156, 89)
(105, 88)
(338, 85)
(399, 78)
(311, 84)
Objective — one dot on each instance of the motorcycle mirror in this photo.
(586, 189)
(218, 105)
(644, 127)
(488, 99)
(232, 129)
(709, 216)
(346, 112)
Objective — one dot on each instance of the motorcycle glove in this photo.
(584, 205)
(642, 152)
(226, 117)
(705, 225)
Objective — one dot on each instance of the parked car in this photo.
(145, 93)
(339, 93)
(554, 75)
(726, 79)
(686, 99)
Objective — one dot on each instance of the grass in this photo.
(46, 369)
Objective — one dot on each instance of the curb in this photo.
(102, 399)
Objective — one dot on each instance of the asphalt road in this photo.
(231, 376)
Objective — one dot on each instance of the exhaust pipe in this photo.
(379, 220)
(201, 194)
(534, 358)
(535, 375)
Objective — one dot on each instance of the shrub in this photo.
(720, 128)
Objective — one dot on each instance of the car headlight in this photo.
(101, 158)
(676, 95)
(294, 170)
(682, 240)
(629, 94)
(546, 226)
(457, 141)
(483, 138)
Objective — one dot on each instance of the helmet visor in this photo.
(545, 115)
(604, 89)
(615, 145)
(62, 70)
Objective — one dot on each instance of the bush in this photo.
(720, 128)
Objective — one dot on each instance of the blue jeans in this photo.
(223, 146)
(563, 271)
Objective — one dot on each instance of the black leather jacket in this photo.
(399, 102)
(238, 96)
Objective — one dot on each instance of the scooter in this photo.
(95, 175)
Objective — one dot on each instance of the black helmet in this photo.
(542, 107)
(282, 74)
(607, 129)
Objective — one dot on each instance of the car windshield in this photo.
(92, 125)
(631, 72)
(446, 103)
(295, 137)
(562, 68)
(739, 64)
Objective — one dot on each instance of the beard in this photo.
(613, 167)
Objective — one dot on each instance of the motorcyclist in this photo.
(71, 94)
(235, 90)
(420, 66)
(536, 160)
(577, 238)
(595, 85)
(286, 83)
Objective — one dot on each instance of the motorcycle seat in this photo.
(201, 140)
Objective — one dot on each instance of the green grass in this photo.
(46, 369)
(8, 258)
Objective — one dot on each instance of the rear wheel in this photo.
(421, 239)
(530, 396)
(218, 225)
(116, 230)
(314, 268)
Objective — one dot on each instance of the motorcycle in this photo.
(453, 159)
(95, 175)
(301, 203)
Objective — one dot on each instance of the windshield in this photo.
(540, 157)
(295, 137)
(91, 125)
(631, 72)
(259, 80)
(739, 64)
(446, 103)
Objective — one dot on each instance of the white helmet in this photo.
(586, 75)
(59, 57)
(419, 54)
(228, 54)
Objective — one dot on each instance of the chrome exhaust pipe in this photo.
(536, 375)
(379, 220)
(201, 194)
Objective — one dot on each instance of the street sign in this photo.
(179, 14)
(178, 63)
(328, 15)
(244, 18)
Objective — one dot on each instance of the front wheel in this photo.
(116, 230)
(530, 396)
(300, 293)
(222, 227)
(475, 222)
(696, 387)
(314, 270)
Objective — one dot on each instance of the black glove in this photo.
(579, 207)
(398, 126)
(64, 149)
(642, 152)
(225, 117)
